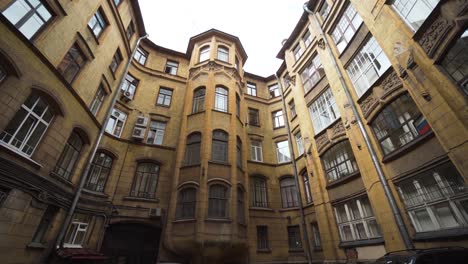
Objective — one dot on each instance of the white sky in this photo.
(261, 25)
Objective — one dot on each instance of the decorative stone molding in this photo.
(411, 63)
(321, 141)
(321, 43)
(338, 129)
(391, 82)
(293, 80)
(435, 34)
(368, 104)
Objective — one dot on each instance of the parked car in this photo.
(447, 255)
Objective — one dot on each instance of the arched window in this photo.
(71, 151)
(186, 203)
(305, 179)
(99, 172)
(258, 188)
(339, 161)
(239, 152)
(29, 124)
(198, 104)
(145, 181)
(219, 148)
(192, 152)
(221, 99)
(240, 206)
(398, 124)
(204, 54)
(223, 54)
(288, 193)
(218, 201)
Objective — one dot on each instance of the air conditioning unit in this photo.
(154, 212)
(141, 121)
(126, 96)
(139, 132)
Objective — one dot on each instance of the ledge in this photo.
(61, 179)
(442, 234)
(98, 194)
(191, 220)
(20, 155)
(139, 199)
(36, 245)
(343, 180)
(261, 209)
(221, 112)
(288, 209)
(190, 166)
(299, 250)
(219, 163)
(361, 243)
(218, 220)
(197, 113)
(406, 148)
(266, 250)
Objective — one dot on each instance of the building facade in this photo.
(195, 165)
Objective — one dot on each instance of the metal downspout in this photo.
(383, 180)
(296, 178)
(84, 175)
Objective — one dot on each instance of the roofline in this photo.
(138, 17)
(164, 49)
(297, 30)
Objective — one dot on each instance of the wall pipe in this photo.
(383, 180)
(84, 175)
(296, 178)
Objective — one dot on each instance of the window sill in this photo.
(266, 250)
(406, 148)
(298, 250)
(36, 245)
(284, 163)
(61, 179)
(317, 249)
(218, 220)
(94, 193)
(261, 209)
(288, 209)
(189, 220)
(72, 246)
(20, 155)
(190, 166)
(293, 118)
(441, 234)
(165, 106)
(254, 125)
(343, 180)
(278, 127)
(222, 112)
(192, 114)
(318, 133)
(361, 243)
(219, 163)
(140, 199)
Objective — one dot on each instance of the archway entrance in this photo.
(132, 244)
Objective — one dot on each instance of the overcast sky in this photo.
(261, 25)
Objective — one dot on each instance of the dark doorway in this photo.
(131, 244)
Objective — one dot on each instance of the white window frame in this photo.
(361, 66)
(129, 85)
(324, 105)
(281, 155)
(164, 95)
(118, 117)
(313, 73)
(275, 89)
(350, 20)
(77, 227)
(204, 53)
(299, 143)
(405, 9)
(307, 38)
(171, 67)
(141, 56)
(223, 54)
(97, 23)
(98, 100)
(156, 133)
(221, 99)
(256, 150)
(31, 14)
(278, 119)
(297, 51)
(252, 89)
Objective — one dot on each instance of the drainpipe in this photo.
(296, 178)
(383, 180)
(84, 175)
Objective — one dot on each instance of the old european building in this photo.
(195, 165)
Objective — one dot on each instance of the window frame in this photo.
(204, 53)
(186, 204)
(254, 117)
(294, 238)
(98, 100)
(221, 99)
(344, 23)
(286, 156)
(278, 119)
(289, 193)
(150, 186)
(76, 226)
(274, 91)
(262, 238)
(222, 53)
(163, 94)
(158, 129)
(299, 143)
(306, 182)
(75, 60)
(192, 145)
(254, 149)
(220, 146)
(220, 201)
(395, 6)
(251, 89)
(130, 84)
(141, 56)
(102, 164)
(448, 58)
(101, 20)
(239, 159)
(339, 155)
(323, 103)
(292, 109)
(117, 121)
(170, 66)
(313, 73)
(115, 61)
(259, 192)
(240, 205)
(65, 162)
(198, 101)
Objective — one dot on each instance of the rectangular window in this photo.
(299, 143)
(308, 193)
(292, 108)
(130, 30)
(129, 86)
(312, 74)
(367, 66)
(436, 199)
(70, 155)
(116, 60)
(346, 28)
(239, 153)
(156, 133)
(278, 119)
(97, 23)
(164, 97)
(294, 238)
(274, 91)
(116, 122)
(324, 10)
(77, 230)
(254, 118)
(238, 106)
(252, 89)
(282, 151)
(316, 235)
(262, 238)
(28, 16)
(414, 12)
(72, 63)
(455, 62)
(141, 55)
(297, 51)
(356, 220)
(223, 54)
(256, 150)
(171, 67)
(97, 101)
(323, 111)
(307, 38)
